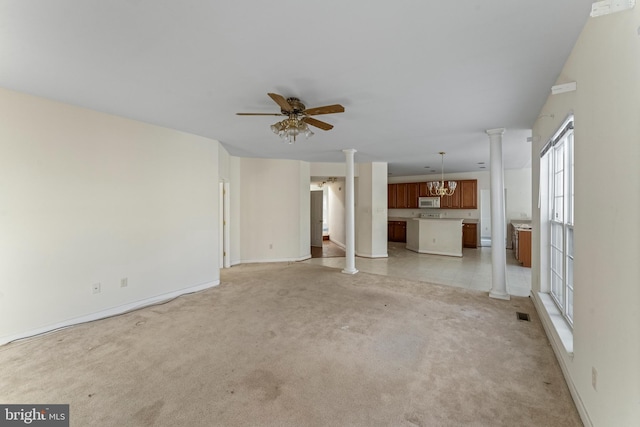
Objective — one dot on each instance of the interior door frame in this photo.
(224, 258)
(313, 217)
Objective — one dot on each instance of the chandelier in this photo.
(290, 128)
(438, 188)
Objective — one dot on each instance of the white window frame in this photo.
(558, 154)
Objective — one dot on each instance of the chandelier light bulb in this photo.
(290, 128)
(438, 188)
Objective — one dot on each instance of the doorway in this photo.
(321, 245)
(317, 199)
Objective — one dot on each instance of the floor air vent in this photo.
(523, 316)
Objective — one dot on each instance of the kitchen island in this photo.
(438, 236)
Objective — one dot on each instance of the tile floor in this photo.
(472, 271)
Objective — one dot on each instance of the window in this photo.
(558, 154)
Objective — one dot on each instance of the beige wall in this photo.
(371, 210)
(88, 198)
(605, 63)
(337, 213)
(273, 209)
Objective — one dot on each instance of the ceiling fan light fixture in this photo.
(299, 117)
(290, 128)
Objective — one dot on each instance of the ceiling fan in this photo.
(298, 117)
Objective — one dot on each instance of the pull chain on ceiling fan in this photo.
(298, 117)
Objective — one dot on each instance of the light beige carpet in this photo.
(300, 345)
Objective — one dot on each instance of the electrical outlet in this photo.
(594, 378)
(96, 287)
(124, 282)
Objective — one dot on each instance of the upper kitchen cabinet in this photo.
(423, 189)
(403, 195)
(413, 191)
(468, 194)
(452, 201)
(464, 197)
(392, 191)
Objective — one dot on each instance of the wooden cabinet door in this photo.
(401, 196)
(453, 201)
(524, 247)
(402, 231)
(413, 189)
(468, 194)
(423, 189)
(392, 191)
(397, 231)
(470, 235)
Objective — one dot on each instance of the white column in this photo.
(498, 226)
(349, 213)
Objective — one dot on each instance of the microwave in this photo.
(428, 202)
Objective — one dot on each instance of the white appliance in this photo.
(428, 202)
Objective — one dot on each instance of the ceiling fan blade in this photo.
(259, 114)
(281, 101)
(317, 123)
(327, 109)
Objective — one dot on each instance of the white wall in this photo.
(517, 182)
(235, 184)
(326, 169)
(371, 210)
(273, 210)
(337, 213)
(88, 198)
(605, 63)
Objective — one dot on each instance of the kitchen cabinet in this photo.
(392, 191)
(470, 235)
(452, 201)
(523, 246)
(464, 197)
(397, 231)
(405, 195)
(413, 189)
(423, 189)
(468, 194)
(401, 195)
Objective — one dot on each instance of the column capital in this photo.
(496, 131)
(349, 150)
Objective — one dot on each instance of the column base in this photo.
(499, 295)
(347, 271)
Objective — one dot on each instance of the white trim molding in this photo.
(110, 312)
(560, 336)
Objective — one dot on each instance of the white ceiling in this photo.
(415, 77)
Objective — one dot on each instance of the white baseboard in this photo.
(411, 248)
(108, 312)
(339, 244)
(559, 349)
(251, 261)
(359, 254)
